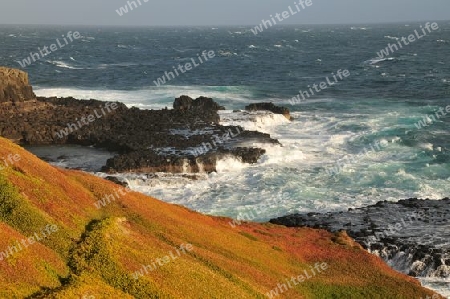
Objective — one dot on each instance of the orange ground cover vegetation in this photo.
(96, 251)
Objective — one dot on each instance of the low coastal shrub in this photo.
(20, 214)
(95, 254)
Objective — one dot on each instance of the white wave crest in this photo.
(261, 121)
(378, 60)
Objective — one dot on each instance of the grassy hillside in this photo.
(96, 253)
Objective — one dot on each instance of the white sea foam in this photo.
(229, 164)
(226, 53)
(294, 171)
(378, 60)
(63, 64)
(391, 37)
(442, 286)
(260, 121)
(154, 97)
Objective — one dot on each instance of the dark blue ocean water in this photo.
(381, 101)
(274, 64)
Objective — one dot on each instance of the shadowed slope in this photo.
(101, 252)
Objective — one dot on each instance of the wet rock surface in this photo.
(269, 107)
(412, 235)
(202, 103)
(187, 138)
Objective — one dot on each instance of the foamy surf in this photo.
(152, 97)
(298, 167)
(374, 61)
(261, 121)
(442, 286)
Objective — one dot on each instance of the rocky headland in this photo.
(187, 138)
(14, 86)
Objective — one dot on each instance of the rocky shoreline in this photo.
(98, 247)
(187, 138)
(411, 235)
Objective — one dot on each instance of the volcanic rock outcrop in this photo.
(188, 138)
(269, 107)
(14, 86)
(411, 234)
